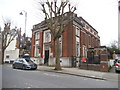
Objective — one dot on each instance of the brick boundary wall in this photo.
(90, 67)
(104, 63)
(103, 66)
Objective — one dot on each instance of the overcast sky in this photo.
(101, 14)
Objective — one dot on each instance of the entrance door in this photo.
(46, 57)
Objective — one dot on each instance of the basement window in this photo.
(7, 56)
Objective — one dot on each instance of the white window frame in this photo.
(77, 31)
(46, 40)
(77, 49)
(36, 49)
(37, 35)
(84, 51)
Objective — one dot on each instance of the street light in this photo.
(21, 13)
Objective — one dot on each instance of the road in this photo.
(0, 77)
(15, 78)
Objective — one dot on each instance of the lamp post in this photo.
(21, 13)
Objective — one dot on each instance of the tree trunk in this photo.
(57, 54)
(3, 56)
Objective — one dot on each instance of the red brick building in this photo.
(78, 36)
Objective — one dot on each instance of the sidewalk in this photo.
(83, 73)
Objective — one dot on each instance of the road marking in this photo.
(28, 87)
(18, 70)
(52, 75)
(8, 65)
(24, 70)
(85, 78)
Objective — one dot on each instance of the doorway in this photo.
(46, 57)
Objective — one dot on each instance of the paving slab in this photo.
(83, 73)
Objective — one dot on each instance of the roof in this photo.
(76, 19)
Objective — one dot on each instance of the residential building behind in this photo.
(11, 52)
(20, 46)
(24, 44)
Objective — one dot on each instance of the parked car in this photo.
(117, 65)
(24, 63)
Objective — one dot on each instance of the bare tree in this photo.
(8, 36)
(56, 21)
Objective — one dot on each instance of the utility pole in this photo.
(21, 13)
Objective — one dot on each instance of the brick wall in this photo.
(69, 41)
(87, 39)
(103, 66)
(65, 43)
(41, 44)
(33, 45)
(74, 41)
(81, 42)
(104, 61)
(70, 37)
(90, 67)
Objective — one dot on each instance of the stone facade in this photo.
(78, 36)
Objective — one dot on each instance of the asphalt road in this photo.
(0, 77)
(15, 78)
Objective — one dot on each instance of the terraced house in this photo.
(77, 37)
